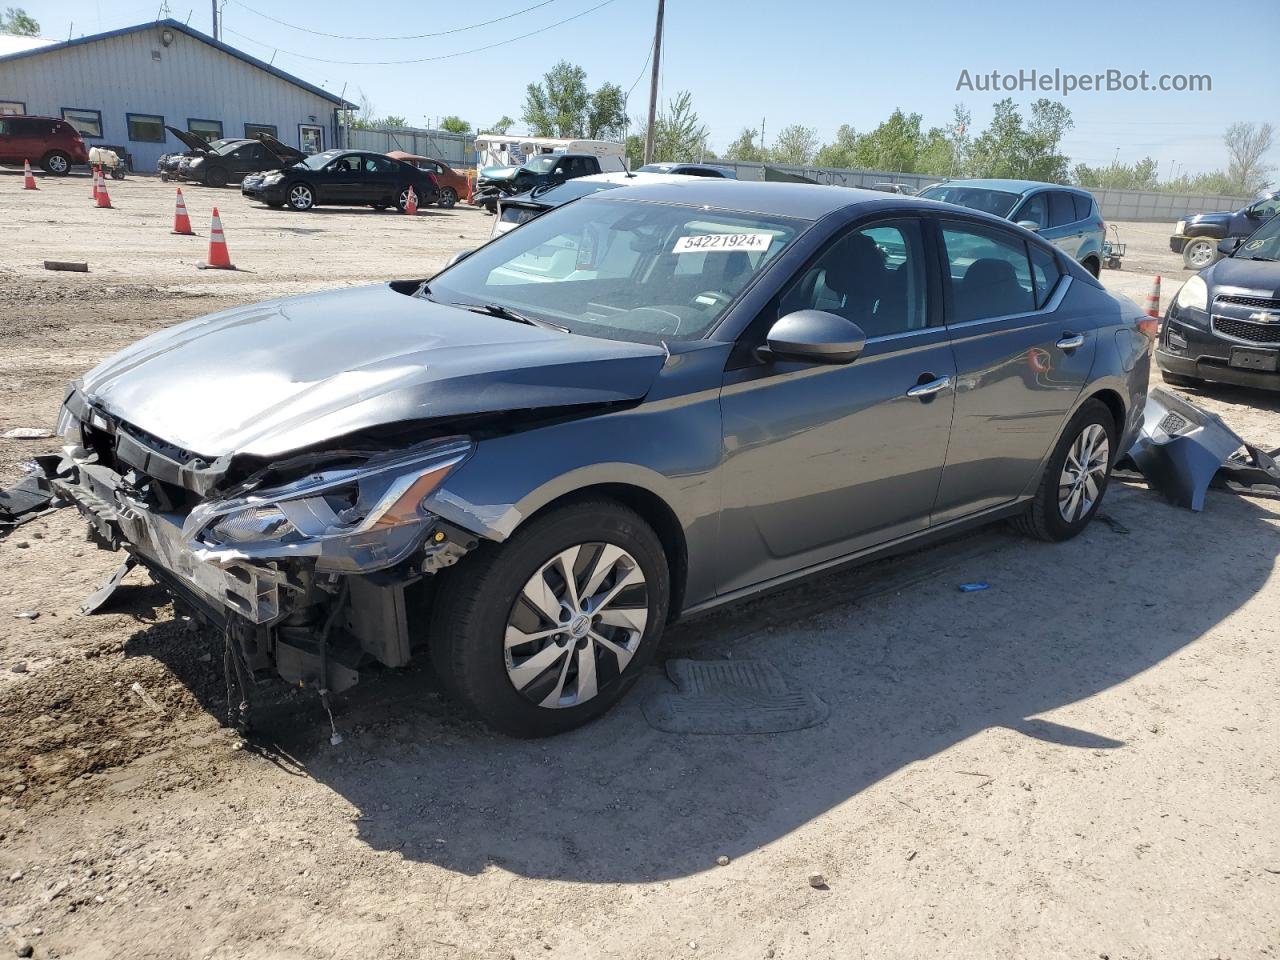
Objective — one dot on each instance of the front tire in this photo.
(1200, 253)
(1075, 478)
(550, 629)
(1093, 266)
(217, 177)
(301, 196)
(448, 197)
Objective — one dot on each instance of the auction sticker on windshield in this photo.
(723, 242)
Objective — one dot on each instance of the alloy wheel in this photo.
(58, 164)
(1084, 473)
(576, 624)
(300, 197)
(1201, 254)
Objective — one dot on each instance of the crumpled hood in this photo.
(1207, 219)
(498, 173)
(276, 377)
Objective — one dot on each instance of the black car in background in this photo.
(1224, 324)
(691, 170)
(1196, 237)
(352, 178)
(167, 165)
(235, 160)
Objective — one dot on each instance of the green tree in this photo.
(1117, 176)
(392, 121)
(15, 20)
(557, 107)
(1247, 143)
(1012, 147)
(607, 113)
(455, 124)
(839, 152)
(745, 147)
(634, 147)
(795, 144)
(677, 133)
(502, 125)
(893, 146)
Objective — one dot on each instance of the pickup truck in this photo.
(545, 168)
(1196, 238)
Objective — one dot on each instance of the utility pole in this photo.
(653, 85)
(215, 18)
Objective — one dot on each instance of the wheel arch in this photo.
(655, 511)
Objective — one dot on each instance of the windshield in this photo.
(542, 163)
(621, 270)
(997, 202)
(1262, 244)
(318, 161)
(223, 147)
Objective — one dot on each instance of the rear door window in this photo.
(1062, 209)
(989, 272)
(1083, 205)
(1045, 274)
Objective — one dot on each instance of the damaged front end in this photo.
(314, 566)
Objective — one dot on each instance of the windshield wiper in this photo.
(506, 313)
(1263, 259)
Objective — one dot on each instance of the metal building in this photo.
(124, 86)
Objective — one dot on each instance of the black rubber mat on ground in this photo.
(729, 697)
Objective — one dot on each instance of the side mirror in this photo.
(459, 257)
(1029, 225)
(816, 336)
(1253, 213)
(1229, 246)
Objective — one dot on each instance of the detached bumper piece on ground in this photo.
(1183, 449)
(31, 497)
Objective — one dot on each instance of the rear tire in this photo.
(1048, 516)
(448, 197)
(1093, 266)
(56, 162)
(485, 605)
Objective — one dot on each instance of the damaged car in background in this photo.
(642, 404)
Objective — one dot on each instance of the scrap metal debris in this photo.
(30, 497)
(1183, 448)
(96, 600)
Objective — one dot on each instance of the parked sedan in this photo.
(196, 146)
(350, 178)
(1065, 216)
(524, 207)
(691, 170)
(1224, 324)
(452, 184)
(642, 404)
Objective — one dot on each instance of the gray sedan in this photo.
(640, 405)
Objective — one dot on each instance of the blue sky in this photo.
(803, 61)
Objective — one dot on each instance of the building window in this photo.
(311, 138)
(87, 122)
(145, 127)
(251, 130)
(206, 130)
(12, 108)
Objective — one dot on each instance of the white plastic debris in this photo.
(28, 433)
(146, 697)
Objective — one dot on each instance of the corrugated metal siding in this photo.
(191, 79)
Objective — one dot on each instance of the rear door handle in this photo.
(930, 388)
(1072, 341)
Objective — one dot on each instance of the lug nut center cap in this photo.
(579, 625)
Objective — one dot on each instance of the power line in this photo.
(640, 75)
(445, 56)
(418, 36)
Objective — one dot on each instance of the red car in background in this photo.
(453, 185)
(53, 144)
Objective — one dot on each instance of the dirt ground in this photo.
(1080, 761)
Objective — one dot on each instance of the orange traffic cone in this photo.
(219, 258)
(182, 222)
(104, 201)
(1151, 304)
(28, 179)
(411, 203)
(96, 173)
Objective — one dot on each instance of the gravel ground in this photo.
(1077, 762)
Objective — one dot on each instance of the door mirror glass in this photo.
(1228, 246)
(816, 336)
(1029, 225)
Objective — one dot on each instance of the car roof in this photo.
(799, 201)
(1009, 186)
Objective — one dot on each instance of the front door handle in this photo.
(1071, 341)
(928, 389)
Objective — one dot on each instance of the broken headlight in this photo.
(350, 519)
